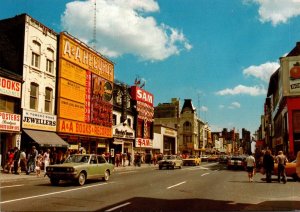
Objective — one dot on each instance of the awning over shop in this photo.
(46, 139)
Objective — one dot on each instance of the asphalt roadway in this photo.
(208, 187)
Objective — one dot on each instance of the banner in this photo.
(10, 121)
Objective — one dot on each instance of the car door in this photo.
(101, 165)
(93, 167)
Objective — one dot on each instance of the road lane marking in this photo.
(127, 172)
(204, 174)
(119, 206)
(48, 194)
(10, 186)
(176, 185)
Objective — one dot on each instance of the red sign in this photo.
(139, 94)
(143, 142)
(10, 87)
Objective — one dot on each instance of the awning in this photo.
(46, 139)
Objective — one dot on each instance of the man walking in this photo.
(268, 165)
(281, 160)
(16, 160)
(250, 160)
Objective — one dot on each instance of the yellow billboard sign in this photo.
(72, 72)
(81, 128)
(68, 108)
(80, 54)
(72, 90)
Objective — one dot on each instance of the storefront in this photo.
(85, 90)
(39, 129)
(10, 117)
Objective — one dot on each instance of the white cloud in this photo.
(277, 11)
(234, 105)
(204, 109)
(241, 89)
(263, 71)
(221, 106)
(124, 27)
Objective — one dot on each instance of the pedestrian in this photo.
(46, 159)
(38, 165)
(16, 160)
(10, 161)
(281, 160)
(268, 165)
(129, 158)
(23, 160)
(250, 160)
(124, 155)
(32, 157)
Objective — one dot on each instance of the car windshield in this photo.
(169, 157)
(77, 159)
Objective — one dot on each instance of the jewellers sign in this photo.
(39, 121)
(121, 131)
(10, 121)
(10, 87)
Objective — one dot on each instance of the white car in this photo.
(170, 161)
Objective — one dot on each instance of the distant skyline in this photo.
(218, 53)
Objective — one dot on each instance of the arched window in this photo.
(36, 54)
(48, 100)
(34, 93)
(50, 60)
(187, 126)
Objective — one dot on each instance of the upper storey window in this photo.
(36, 54)
(34, 90)
(50, 61)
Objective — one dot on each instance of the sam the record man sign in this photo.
(85, 87)
(144, 106)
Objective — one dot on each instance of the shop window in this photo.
(35, 56)
(9, 104)
(48, 100)
(34, 89)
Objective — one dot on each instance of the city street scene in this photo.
(150, 105)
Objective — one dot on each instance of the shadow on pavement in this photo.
(162, 205)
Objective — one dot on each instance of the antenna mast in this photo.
(95, 24)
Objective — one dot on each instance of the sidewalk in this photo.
(5, 177)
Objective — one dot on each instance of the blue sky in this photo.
(219, 53)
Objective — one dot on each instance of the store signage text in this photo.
(10, 87)
(81, 128)
(139, 94)
(123, 134)
(10, 121)
(143, 142)
(86, 58)
(40, 121)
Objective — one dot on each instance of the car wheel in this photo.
(160, 167)
(106, 176)
(81, 179)
(179, 167)
(54, 181)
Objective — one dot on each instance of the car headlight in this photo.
(70, 169)
(49, 169)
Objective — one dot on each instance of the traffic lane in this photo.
(62, 197)
(216, 189)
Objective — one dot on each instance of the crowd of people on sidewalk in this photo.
(264, 163)
(33, 161)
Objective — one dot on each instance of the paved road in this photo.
(206, 187)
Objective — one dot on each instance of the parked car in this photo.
(290, 170)
(223, 159)
(204, 157)
(80, 167)
(192, 160)
(213, 158)
(236, 162)
(170, 161)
